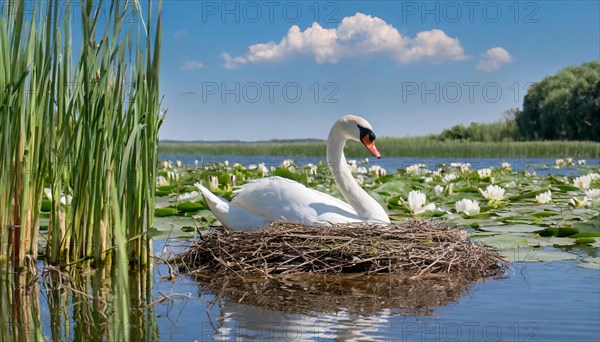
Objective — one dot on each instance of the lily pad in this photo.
(593, 263)
(189, 206)
(164, 212)
(513, 228)
(560, 232)
(537, 255)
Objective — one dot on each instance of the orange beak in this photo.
(371, 146)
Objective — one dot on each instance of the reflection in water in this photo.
(76, 305)
(312, 306)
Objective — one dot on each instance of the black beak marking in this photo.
(366, 131)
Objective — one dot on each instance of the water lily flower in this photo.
(464, 167)
(263, 169)
(226, 163)
(233, 180)
(165, 164)
(365, 161)
(172, 176)
(188, 196)
(438, 190)
(417, 168)
(361, 170)
(196, 163)
(593, 195)
(213, 182)
(449, 177)
(483, 173)
(506, 166)
(360, 180)
(169, 164)
(583, 182)
(252, 167)
(544, 197)
(287, 163)
(467, 206)
(377, 171)
(579, 203)
(493, 193)
(238, 166)
(160, 180)
(581, 162)
(559, 163)
(64, 199)
(428, 179)
(178, 164)
(416, 202)
(530, 173)
(570, 162)
(312, 169)
(594, 176)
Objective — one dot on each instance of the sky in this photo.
(253, 70)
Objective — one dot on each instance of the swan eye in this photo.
(366, 132)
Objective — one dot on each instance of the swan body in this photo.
(260, 202)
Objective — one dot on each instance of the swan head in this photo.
(354, 127)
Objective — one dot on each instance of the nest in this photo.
(413, 248)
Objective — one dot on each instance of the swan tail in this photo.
(230, 215)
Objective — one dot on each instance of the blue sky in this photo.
(283, 70)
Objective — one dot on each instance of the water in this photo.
(539, 165)
(556, 301)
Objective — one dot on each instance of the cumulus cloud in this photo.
(192, 65)
(358, 35)
(493, 59)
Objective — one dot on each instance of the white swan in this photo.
(260, 202)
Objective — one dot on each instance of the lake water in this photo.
(555, 301)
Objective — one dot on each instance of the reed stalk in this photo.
(85, 126)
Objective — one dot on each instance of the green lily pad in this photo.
(537, 255)
(164, 212)
(513, 228)
(560, 232)
(585, 241)
(46, 206)
(189, 206)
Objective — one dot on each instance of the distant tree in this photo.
(565, 106)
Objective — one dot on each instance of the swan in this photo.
(258, 203)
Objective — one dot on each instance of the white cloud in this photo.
(192, 65)
(358, 35)
(179, 34)
(493, 59)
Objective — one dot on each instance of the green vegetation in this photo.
(81, 130)
(398, 147)
(507, 209)
(565, 106)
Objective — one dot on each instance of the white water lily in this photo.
(416, 202)
(493, 193)
(579, 203)
(449, 178)
(464, 167)
(188, 196)
(467, 206)
(506, 166)
(594, 176)
(64, 200)
(226, 163)
(160, 180)
(172, 176)
(417, 168)
(233, 180)
(213, 182)
(483, 173)
(583, 182)
(428, 179)
(165, 164)
(361, 170)
(530, 173)
(365, 161)
(252, 167)
(238, 166)
(559, 163)
(377, 170)
(439, 189)
(287, 163)
(178, 164)
(581, 162)
(360, 180)
(569, 162)
(544, 197)
(196, 163)
(263, 169)
(593, 195)
(312, 169)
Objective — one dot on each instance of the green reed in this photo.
(83, 124)
(398, 147)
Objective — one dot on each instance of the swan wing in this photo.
(281, 199)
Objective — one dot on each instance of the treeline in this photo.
(565, 106)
